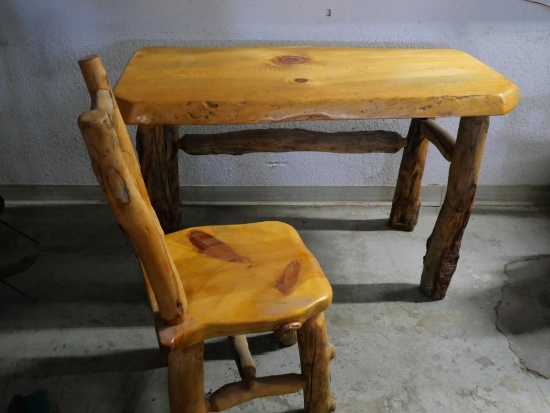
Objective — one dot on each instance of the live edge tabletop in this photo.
(186, 86)
(169, 86)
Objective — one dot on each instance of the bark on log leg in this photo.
(444, 244)
(315, 355)
(186, 380)
(406, 199)
(287, 333)
(157, 148)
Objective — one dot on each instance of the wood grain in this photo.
(443, 245)
(244, 360)
(178, 85)
(210, 245)
(157, 148)
(186, 380)
(440, 137)
(288, 279)
(102, 97)
(246, 278)
(133, 212)
(287, 140)
(233, 394)
(230, 298)
(406, 198)
(315, 355)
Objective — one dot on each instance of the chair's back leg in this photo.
(186, 379)
(315, 355)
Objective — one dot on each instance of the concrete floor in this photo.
(89, 341)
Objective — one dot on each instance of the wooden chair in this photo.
(212, 281)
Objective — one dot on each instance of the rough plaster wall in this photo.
(41, 91)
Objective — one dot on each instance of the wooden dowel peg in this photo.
(286, 334)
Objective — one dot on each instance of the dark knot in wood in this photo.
(289, 277)
(117, 186)
(212, 246)
(290, 60)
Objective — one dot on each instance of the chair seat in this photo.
(247, 278)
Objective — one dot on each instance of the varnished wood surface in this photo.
(291, 140)
(443, 245)
(315, 355)
(132, 209)
(406, 198)
(240, 279)
(246, 278)
(271, 84)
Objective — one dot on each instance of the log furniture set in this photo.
(235, 280)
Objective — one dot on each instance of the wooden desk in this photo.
(164, 87)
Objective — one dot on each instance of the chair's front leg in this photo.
(157, 148)
(186, 380)
(315, 355)
(406, 199)
(444, 244)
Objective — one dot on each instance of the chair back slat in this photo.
(117, 170)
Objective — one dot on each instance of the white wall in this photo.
(41, 91)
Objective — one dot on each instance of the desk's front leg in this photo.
(444, 244)
(157, 148)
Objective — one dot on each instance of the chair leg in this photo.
(186, 380)
(315, 355)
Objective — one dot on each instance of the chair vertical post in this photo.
(315, 355)
(186, 379)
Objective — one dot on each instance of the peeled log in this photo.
(315, 355)
(442, 139)
(290, 140)
(234, 394)
(406, 199)
(444, 244)
(157, 148)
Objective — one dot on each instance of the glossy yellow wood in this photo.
(240, 279)
(263, 277)
(271, 84)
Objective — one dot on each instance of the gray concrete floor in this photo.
(89, 341)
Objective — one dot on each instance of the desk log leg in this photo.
(157, 148)
(444, 244)
(406, 199)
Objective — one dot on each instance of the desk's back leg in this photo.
(157, 148)
(406, 200)
(444, 244)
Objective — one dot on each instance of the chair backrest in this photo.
(117, 170)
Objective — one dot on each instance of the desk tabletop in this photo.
(202, 86)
